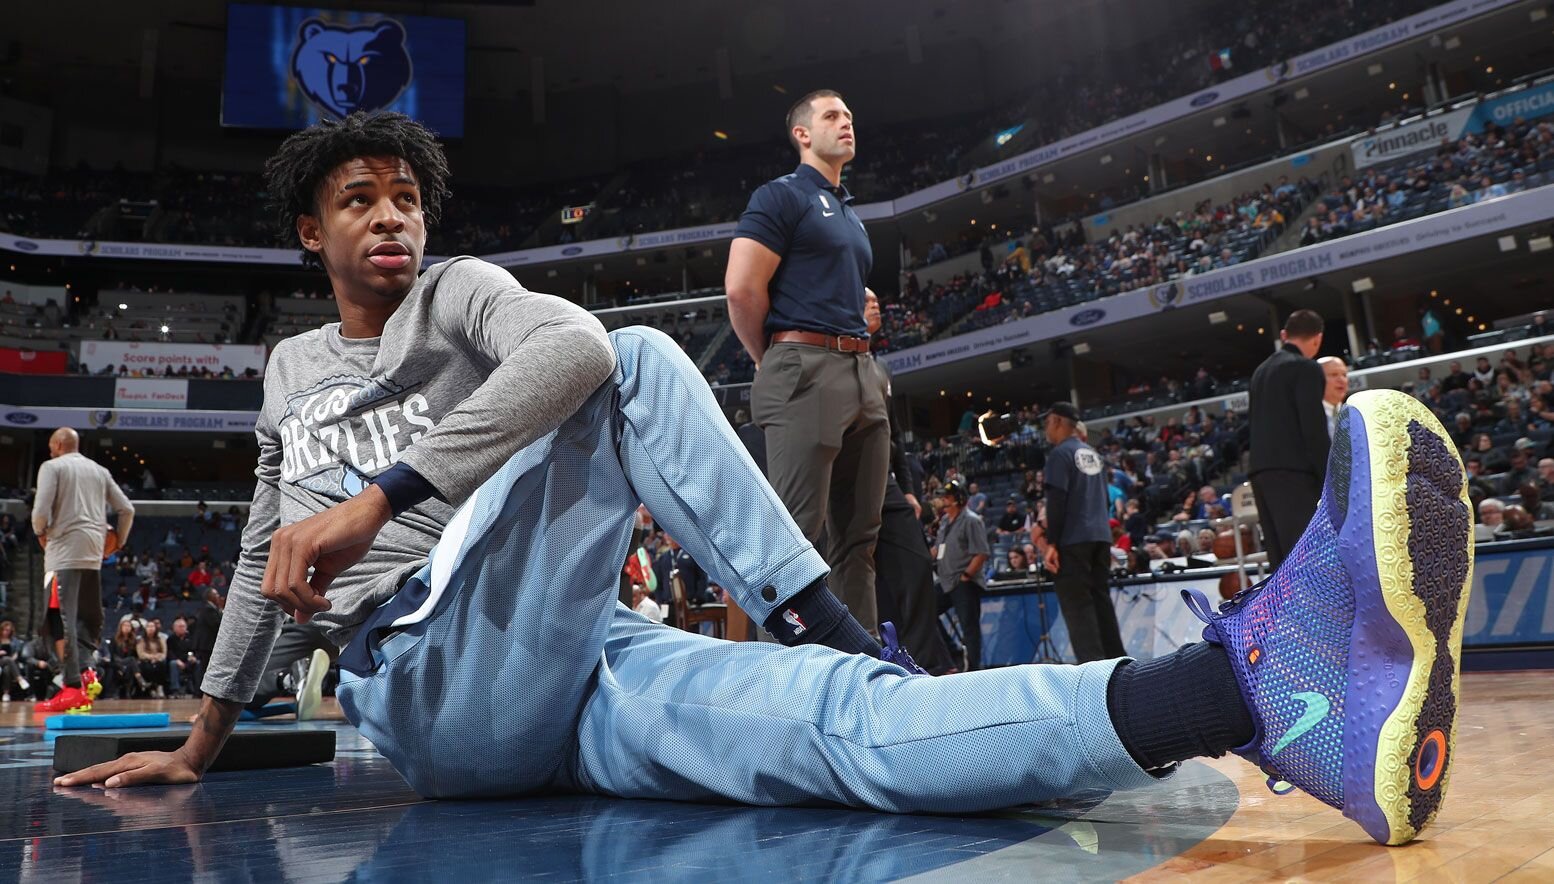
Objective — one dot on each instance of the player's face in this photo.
(831, 135)
(369, 229)
(871, 312)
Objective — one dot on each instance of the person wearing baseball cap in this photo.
(1081, 538)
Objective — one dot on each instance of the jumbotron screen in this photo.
(289, 67)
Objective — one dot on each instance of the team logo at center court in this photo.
(1164, 297)
(825, 206)
(792, 618)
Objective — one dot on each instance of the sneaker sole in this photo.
(311, 695)
(1407, 526)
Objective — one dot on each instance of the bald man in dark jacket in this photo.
(1289, 435)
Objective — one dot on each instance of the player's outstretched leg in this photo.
(683, 716)
(1349, 655)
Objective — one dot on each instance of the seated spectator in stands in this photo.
(1519, 522)
(1208, 498)
(1014, 567)
(1491, 514)
(1313, 232)
(145, 569)
(1455, 378)
(976, 500)
(202, 516)
(39, 665)
(187, 559)
(152, 653)
(230, 519)
(1401, 339)
(1546, 478)
(1205, 543)
(1520, 472)
(1493, 460)
(1488, 190)
(183, 667)
(1167, 543)
(1514, 422)
(10, 662)
(1461, 430)
(1483, 372)
(1134, 522)
(1186, 543)
(136, 618)
(197, 582)
(1459, 196)
(642, 602)
(1012, 521)
(10, 532)
(1533, 502)
(123, 671)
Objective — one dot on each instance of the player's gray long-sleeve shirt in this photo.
(471, 368)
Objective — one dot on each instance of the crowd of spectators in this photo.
(1475, 168)
(162, 602)
(220, 208)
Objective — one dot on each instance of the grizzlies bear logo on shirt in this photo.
(342, 70)
(341, 432)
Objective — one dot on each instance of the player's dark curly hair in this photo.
(294, 175)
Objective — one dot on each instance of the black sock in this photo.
(1180, 706)
(815, 616)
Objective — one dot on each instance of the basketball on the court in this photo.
(110, 542)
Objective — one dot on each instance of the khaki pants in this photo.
(827, 425)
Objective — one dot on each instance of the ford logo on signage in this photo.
(1205, 98)
(1087, 317)
(21, 417)
(572, 250)
(26, 245)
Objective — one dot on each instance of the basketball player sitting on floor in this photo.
(446, 481)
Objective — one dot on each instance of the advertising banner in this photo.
(150, 393)
(33, 361)
(1416, 137)
(141, 355)
(1493, 216)
(33, 418)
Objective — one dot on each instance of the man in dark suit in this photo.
(1289, 434)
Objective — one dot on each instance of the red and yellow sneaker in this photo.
(90, 685)
(71, 700)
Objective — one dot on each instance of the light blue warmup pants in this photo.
(509, 667)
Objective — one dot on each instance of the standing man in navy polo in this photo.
(796, 286)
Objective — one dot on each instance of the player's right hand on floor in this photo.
(135, 769)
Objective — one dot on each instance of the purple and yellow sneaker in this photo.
(892, 652)
(1349, 655)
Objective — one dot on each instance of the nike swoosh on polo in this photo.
(827, 214)
(1317, 708)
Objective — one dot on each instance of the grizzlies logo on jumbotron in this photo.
(1087, 317)
(1165, 297)
(86, 247)
(342, 70)
(102, 420)
(1204, 99)
(1278, 71)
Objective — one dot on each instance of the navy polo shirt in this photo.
(826, 256)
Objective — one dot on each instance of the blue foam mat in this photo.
(106, 722)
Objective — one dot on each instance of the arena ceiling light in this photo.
(1363, 284)
(1218, 317)
(1507, 243)
(1081, 348)
(1540, 244)
(123, 306)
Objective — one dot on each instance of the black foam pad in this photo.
(244, 750)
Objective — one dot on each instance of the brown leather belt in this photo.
(840, 343)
